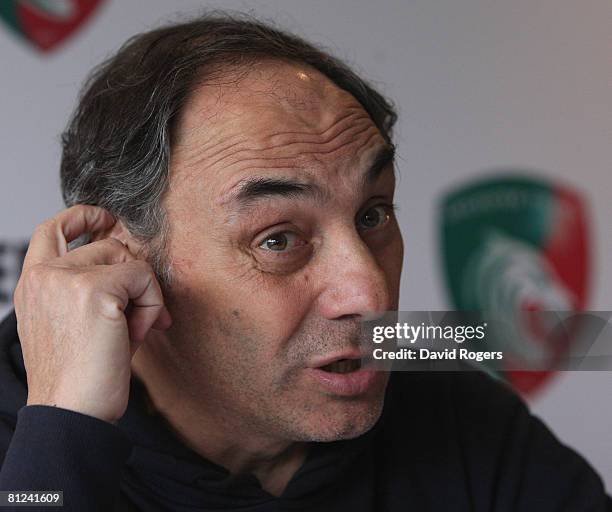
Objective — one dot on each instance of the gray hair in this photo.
(116, 148)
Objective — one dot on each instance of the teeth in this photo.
(343, 366)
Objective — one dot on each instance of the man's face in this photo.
(282, 236)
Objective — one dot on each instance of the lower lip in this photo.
(345, 384)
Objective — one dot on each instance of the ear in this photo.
(121, 233)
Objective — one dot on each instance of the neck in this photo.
(218, 437)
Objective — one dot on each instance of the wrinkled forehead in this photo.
(269, 98)
(276, 120)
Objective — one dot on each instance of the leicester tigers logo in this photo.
(12, 254)
(513, 244)
(46, 23)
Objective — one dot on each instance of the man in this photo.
(201, 353)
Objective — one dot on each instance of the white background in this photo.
(480, 85)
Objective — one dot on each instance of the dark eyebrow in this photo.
(384, 157)
(258, 187)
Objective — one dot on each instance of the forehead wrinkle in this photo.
(226, 195)
(335, 123)
(344, 125)
(316, 135)
(283, 138)
(344, 138)
(201, 153)
(319, 192)
(294, 154)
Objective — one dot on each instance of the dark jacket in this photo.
(456, 441)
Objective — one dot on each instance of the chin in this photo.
(345, 426)
(343, 419)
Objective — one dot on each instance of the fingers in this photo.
(164, 320)
(50, 239)
(130, 280)
(137, 283)
(141, 320)
(103, 252)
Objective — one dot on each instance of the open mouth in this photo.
(342, 366)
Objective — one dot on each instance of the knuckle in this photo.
(17, 293)
(153, 278)
(79, 208)
(114, 243)
(34, 275)
(81, 285)
(118, 247)
(93, 291)
(143, 266)
(146, 268)
(45, 227)
(85, 209)
(32, 282)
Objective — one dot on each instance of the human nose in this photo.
(356, 284)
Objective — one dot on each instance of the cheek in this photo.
(255, 302)
(391, 259)
(396, 256)
(274, 305)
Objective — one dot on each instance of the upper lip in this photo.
(347, 354)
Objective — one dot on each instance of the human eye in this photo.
(281, 241)
(376, 216)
